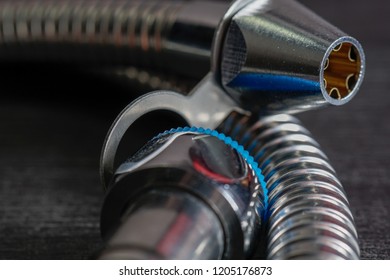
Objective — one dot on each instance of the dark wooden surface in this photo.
(53, 121)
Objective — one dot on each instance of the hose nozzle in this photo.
(278, 56)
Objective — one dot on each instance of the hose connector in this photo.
(188, 194)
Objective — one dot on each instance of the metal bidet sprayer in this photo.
(268, 57)
(189, 193)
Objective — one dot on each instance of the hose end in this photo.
(342, 70)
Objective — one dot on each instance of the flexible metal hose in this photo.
(309, 215)
(109, 23)
(159, 34)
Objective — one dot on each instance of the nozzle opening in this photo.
(342, 70)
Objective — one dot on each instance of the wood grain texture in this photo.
(53, 121)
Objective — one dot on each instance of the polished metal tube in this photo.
(184, 174)
(167, 225)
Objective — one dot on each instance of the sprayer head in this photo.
(278, 56)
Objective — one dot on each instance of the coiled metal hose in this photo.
(157, 34)
(309, 215)
(108, 23)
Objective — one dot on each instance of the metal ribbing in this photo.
(309, 214)
(121, 25)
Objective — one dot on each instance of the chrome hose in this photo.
(309, 215)
(157, 34)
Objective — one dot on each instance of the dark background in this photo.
(53, 120)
